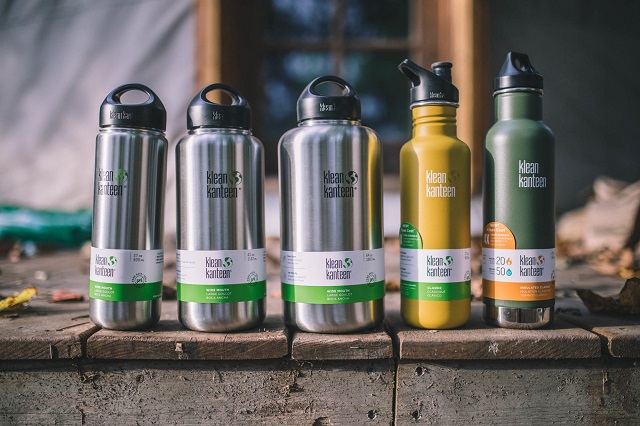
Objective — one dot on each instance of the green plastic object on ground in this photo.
(56, 228)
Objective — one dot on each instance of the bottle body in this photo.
(128, 212)
(330, 174)
(435, 214)
(221, 258)
(519, 215)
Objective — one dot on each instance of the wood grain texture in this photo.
(515, 392)
(272, 392)
(477, 340)
(621, 335)
(374, 344)
(170, 340)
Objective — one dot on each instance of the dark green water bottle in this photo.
(518, 245)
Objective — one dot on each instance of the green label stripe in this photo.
(125, 292)
(410, 237)
(222, 293)
(520, 305)
(334, 294)
(435, 291)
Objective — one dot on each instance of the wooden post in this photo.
(208, 42)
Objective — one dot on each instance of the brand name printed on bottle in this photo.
(436, 95)
(105, 266)
(438, 184)
(340, 184)
(218, 268)
(223, 185)
(439, 266)
(110, 182)
(338, 269)
(327, 107)
(531, 266)
(122, 115)
(528, 175)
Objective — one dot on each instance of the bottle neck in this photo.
(319, 121)
(523, 104)
(434, 120)
(222, 130)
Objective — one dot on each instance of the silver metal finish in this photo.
(133, 221)
(312, 223)
(520, 318)
(220, 223)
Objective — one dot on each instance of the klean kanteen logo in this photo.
(223, 185)
(123, 115)
(338, 269)
(531, 266)
(439, 266)
(105, 265)
(528, 175)
(111, 182)
(340, 184)
(438, 184)
(218, 268)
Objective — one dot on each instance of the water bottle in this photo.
(435, 239)
(330, 175)
(128, 205)
(221, 257)
(518, 243)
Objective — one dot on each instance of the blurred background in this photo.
(59, 59)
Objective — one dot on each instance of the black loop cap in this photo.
(204, 113)
(311, 104)
(430, 87)
(517, 72)
(149, 114)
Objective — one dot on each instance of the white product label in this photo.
(435, 266)
(126, 266)
(519, 266)
(221, 266)
(331, 268)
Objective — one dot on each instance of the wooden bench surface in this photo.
(47, 330)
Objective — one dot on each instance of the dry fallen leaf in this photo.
(65, 296)
(627, 302)
(15, 301)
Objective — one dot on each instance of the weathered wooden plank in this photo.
(514, 392)
(477, 340)
(46, 331)
(170, 340)
(621, 335)
(271, 392)
(374, 344)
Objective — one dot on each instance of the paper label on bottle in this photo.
(516, 275)
(332, 277)
(126, 275)
(440, 275)
(221, 276)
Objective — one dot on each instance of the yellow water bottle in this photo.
(435, 241)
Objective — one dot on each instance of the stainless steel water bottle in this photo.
(128, 209)
(518, 245)
(332, 260)
(221, 257)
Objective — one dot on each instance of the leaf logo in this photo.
(227, 262)
(348, 261)
(113, 261)
(352, 177)
(540, 261)
(121, 176)
(454, 176)
(236, 178)
(448, 260)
